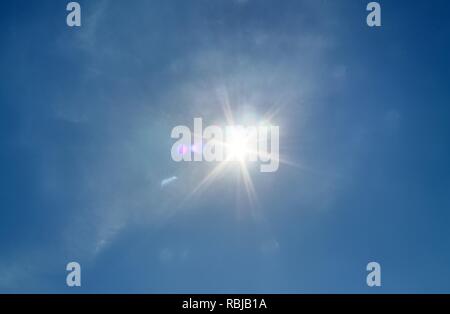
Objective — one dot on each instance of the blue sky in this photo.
(85, 121)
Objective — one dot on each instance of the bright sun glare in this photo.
(239, 147)
(236, 145)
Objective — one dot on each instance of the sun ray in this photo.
(249, 186)
(206, 181)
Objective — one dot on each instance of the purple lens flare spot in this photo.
(183, 149)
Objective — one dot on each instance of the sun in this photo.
(237, 145)
(241, 146)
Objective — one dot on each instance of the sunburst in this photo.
(239, 152)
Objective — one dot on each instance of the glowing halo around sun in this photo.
(241, 146)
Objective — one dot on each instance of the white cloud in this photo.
(168, 181)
